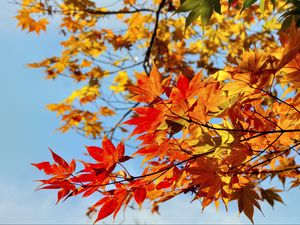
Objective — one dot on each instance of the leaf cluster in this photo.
(217, 134)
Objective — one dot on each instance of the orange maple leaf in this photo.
(147, 88)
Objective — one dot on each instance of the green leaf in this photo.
(247, 4)
(204, 9)
(216, 6)
(188, 5)
(199, 8)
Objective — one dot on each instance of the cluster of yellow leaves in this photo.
(32, 25)
(120, 82)
(75, 117)
(84, 95)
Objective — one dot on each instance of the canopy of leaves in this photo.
(216, 134)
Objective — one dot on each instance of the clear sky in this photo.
(27, 130)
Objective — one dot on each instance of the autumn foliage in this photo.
(214, 99)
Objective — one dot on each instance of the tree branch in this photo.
(147, 66)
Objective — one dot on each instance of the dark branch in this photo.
(100, 12)
(147, 66)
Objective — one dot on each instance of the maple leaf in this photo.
(188, 89)
(201, 8)
(205, 175)
(85, 95)
(120, 82)
(27, 22)
(270, 195)
(107, 209)
(148, 119)
(252, 61)
(60, 171)
(105, 111)
(140, 195)
(247, 199)
(111, 203)
(291, 46)
(108, 155)
(292, 71)
(60, 168)
(147, 88)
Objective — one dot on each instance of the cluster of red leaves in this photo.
(90, 179)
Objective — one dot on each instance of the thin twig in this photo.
(147, 66)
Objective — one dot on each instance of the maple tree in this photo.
(214, 99)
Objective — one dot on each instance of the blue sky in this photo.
(27, 130)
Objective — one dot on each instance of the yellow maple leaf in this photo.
(120, 82)
(105, 111)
